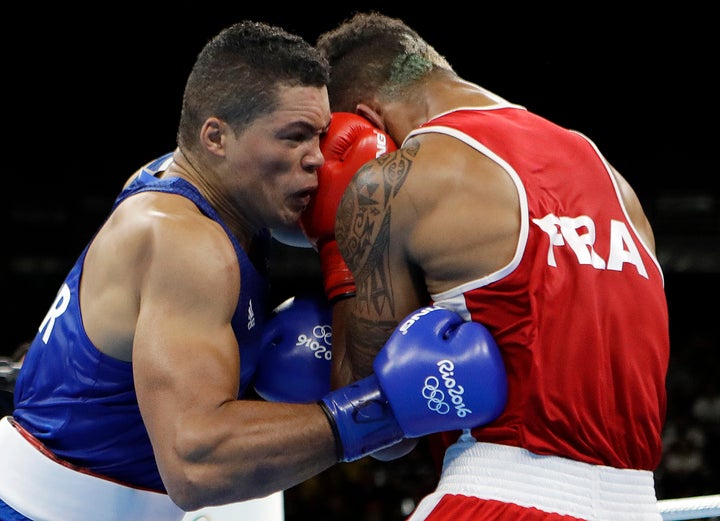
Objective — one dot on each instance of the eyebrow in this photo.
(299, 125)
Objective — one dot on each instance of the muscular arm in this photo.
(427, 218)
(388, 286)
(408, 225)
(210, 447)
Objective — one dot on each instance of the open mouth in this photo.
(303, 198)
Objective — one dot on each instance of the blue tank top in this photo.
(81, 403)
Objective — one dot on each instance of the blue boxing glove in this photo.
(435, 373)
(296, 356)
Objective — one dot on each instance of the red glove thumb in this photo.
(350, 142)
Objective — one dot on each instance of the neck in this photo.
(187, 166)
(434, 97)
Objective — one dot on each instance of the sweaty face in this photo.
(276, 158)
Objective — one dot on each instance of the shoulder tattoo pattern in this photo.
(363, 233)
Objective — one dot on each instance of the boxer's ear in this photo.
(373, 117)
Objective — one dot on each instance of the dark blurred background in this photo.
(91, 93)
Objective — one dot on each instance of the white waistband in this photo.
(44, 490)
(549, 483)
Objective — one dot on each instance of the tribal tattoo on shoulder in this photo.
(366, 237)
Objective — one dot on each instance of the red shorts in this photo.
(456, 507)
(490, 482)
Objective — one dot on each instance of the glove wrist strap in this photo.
(362, 419)
(337, 277)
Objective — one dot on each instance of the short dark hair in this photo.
(372, 54)
(237, 74)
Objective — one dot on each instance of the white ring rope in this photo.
(699, 507)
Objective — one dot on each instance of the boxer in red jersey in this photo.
(524, 226)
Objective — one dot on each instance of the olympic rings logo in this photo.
(320, 343)
(324, 333)
(435, 396)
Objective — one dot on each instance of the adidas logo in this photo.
(251, 316)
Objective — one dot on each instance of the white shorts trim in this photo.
(549, 483)
(44, 490)
(269, 508)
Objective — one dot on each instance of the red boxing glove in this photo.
(351, 141)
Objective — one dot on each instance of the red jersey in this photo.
(580, 312)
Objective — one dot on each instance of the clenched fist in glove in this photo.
(435, 373)
(296, 356)
(351, 141)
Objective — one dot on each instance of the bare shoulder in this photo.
(433, 179)
(158, 250)
(634, 209)
(365, 207)
(385, 184)
(436, 203)
(155, 222)
(468, 213)
(173, 238)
